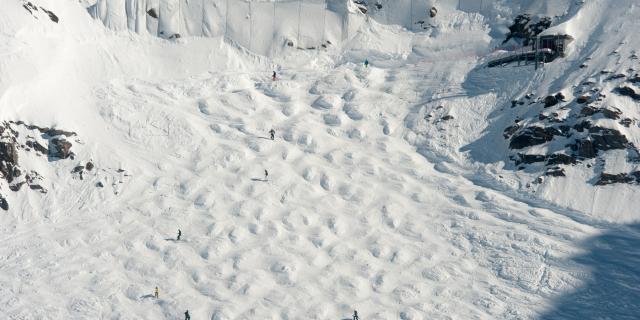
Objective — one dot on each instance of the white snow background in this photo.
(369, 205)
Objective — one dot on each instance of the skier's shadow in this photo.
(258, 179)
(171, 239)
(148, 296)
(265, 138)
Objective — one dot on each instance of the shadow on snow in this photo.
(612, 289)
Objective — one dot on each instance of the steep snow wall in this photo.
(261, 27)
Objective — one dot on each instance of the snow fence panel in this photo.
(238, 22)
(311, 23)
(169, 18)
(262, 27)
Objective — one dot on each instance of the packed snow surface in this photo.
(384, 191)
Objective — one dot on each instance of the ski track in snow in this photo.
(360, 210)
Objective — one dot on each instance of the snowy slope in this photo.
(375, 200)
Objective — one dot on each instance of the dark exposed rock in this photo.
(584, 149)
(56, 132)
(509, 131)
(30, 7)
(51, 15)
(530, 158)
(550, 101)
(626, 122)
(555, 172)
(559, 96)
(89, 166)
(582, 126)
(4, 205)
(627, 91)
(77, 169)
(583, 99)
(564, 129)
(37, 187)
(99, 184)
(9, 161)
(606, 178)
(59, 148)
(35, 145)
(447, 117)
(559, 158)
(612, 113)
(8, 152)
(588, 111)
(607, 139)
(532, 136)
(153, 13)
(433, 12)
(617, 76)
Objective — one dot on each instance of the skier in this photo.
(266, 174)
(186, 315)
(366, 63)
(157, 293)
(179, 235)
(273, 77)
(272, 133)
(355, 315)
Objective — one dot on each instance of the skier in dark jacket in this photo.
(179, 234)
(272, 133)
(186, 315)
(266, 175)
(355, 315)
(273, 77)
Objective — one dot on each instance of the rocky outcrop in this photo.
(606, 178)
(18, 140)
(627, 91)
(59, 148)
(607, 139)
(532, 136)
(524, 29)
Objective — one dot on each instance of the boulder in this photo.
(153, 13)
(583, 99)
(4, 205)
(433, 12)
(550, 101)
(89, 166)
